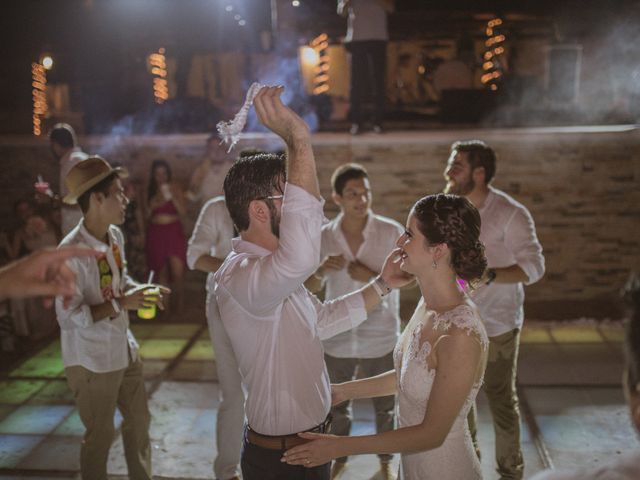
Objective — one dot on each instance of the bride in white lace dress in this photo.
(439, 359)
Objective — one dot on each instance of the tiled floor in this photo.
(569, 381)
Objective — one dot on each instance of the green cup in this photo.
(149, 313)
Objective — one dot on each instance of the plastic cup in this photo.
(149, 313)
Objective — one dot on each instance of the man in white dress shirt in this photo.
(99, 352)
(65, 149)
(209, 245)
(514, 256)
(274, 323)
(355, 245)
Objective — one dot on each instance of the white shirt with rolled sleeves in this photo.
(276, 325)
(71, 215)
(211, 235)
(377, 336)
(509, 236)
(97, 344)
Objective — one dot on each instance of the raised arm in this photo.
(280, 119)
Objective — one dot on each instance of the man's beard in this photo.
(461, 188)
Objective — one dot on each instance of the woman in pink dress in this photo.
(166, 244)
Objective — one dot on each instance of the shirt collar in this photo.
(243, 246)
(337, 225)
(92, 241)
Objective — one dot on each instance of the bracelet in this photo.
(381, 287)
(491, 276)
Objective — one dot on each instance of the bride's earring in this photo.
(434, 265)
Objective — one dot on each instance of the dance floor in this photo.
(573, 406)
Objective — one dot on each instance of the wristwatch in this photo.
(491, 276)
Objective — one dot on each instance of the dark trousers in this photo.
(368, 67)
(344, 370)
(264, 464)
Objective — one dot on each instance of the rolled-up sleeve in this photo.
(78, 313)
(204, 235)
(261, 283)
(339, 315)
(522, 241)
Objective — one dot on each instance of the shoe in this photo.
(377, 129)
(336, 469)
(355, 129)
(385, 471)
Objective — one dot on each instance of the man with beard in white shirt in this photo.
(274, 323)
(514, 257)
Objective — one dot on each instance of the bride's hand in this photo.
(338, 395)
(321, 450)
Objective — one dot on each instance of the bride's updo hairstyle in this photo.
(453, 220)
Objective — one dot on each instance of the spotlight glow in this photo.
(295, 3)
(47, 62)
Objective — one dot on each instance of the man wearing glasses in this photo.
(275, 325)
(355, 245)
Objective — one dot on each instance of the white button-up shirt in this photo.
(378, 335)
(97, 344)
(71, 215)
(509, 237)
(276, 325)
(211, 235)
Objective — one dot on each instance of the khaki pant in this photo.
(343, 370)
(500, 387)
(96, 396)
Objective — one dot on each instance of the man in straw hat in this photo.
(99, 351)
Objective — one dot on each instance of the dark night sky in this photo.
(99, 41)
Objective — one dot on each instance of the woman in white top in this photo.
(439, 359)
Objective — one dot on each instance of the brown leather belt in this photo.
(283, 442)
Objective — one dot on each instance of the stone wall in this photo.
(581, 184)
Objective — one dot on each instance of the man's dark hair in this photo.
(63, 135)
(102, 186)
(346, 172)
(479, 155)
(251, 178)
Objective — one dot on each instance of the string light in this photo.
(39, 95)
(492, 65)
(320, 44)
(158, 67)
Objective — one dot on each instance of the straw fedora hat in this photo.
(86, 174)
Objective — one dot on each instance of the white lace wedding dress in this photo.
(455, 459)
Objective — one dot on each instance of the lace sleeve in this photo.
(465, 318)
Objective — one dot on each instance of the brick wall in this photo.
(582, 186)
